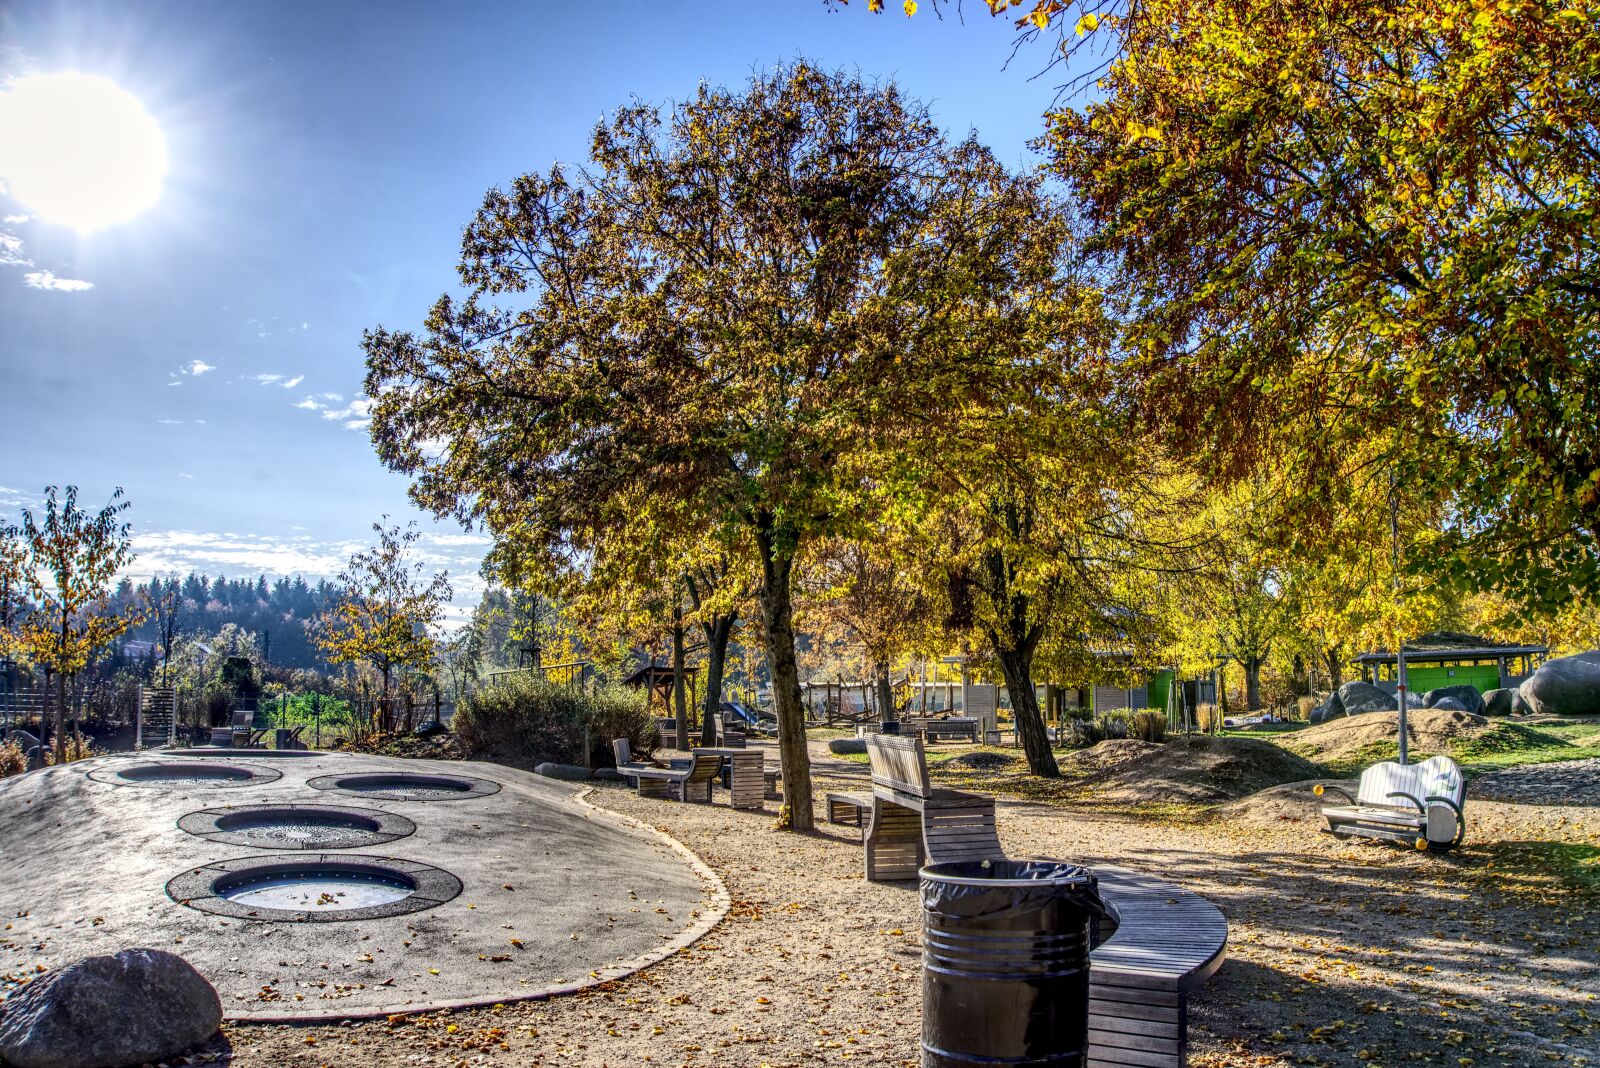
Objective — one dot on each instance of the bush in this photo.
(1208, 718)
(523, 720)
(76, 747)
(12, 759)
(1149, 725)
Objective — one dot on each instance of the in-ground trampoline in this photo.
(310, 903)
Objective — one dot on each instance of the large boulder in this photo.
(1466, 697)
(1565, 686)
(1498, 702)
(1388, 686)
(847, 746)
(1448, 704)
(132, 1007)
(1327, 710)
(1354, 698)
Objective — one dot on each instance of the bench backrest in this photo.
(898, 764)
(622, 751)
(243, 719)
(706, 766)
(1435, 777)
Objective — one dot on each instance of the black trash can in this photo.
(889, 726)
(1005, 963)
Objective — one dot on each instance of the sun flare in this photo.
(79, 150)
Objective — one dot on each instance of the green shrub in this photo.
(1149, 725)
(523, 720)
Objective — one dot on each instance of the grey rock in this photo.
(608, 774)
(109, 1011)
(846, 746)
(568, 772)
(1566, 686)
(1388, 686)
(1356, 698)
(1327, 710)
(1448, 704)
(1465, 695)
(1519, 704)
(1498, 702)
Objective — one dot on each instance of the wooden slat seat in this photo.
(689, 783)
(1158, 944)
(912, 822)
(849, 809)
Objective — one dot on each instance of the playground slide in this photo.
(742, 713)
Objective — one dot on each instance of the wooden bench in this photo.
(912, 822)
(1157, 944)
(849, 809)
(689, 783)
(950, 727)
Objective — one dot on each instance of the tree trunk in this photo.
(61, 718)
(1335, 664)
(886, 710)
(1017, 666)
(777, 619)
(718, 634)
(1222, 689)
(680, 708)
(1252, 684)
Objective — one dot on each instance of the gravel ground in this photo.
(1571, 782)
(1340, 954)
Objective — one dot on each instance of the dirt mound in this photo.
(1275, 806)
(1197, 769)
(1430, 730)
(982, 761)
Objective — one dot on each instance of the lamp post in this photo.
(1400, 640)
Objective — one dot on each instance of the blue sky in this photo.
(323, 160)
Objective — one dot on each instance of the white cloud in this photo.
(310, 404)
(199, 367)
(268, 380)
(14, 219)
(11, 251)
(174, 383)
(50, 280)
(170, 422)
(279, 380)
(335, 397)
(457, 539)
(355, 416)
(184, 474)
(295, 381)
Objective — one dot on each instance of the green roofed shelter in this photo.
(1445, 658)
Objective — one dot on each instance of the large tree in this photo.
(1335, 221)
(732, 313)
(72, 557)
(387, 610)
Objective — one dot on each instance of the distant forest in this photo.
(276, 613)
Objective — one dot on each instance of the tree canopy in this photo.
(731, 316)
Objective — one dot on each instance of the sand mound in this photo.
(1197, 769)
(1292, 802)
(1430, 730)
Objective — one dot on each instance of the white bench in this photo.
(1416, 804)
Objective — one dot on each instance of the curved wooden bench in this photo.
(1157, 945)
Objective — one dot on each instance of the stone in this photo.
(566, 772)
(1498, 702)
(1448, 704)
(1464, 694)
(1565, 686)
(846, 746)
(1356, 698)
(608, 774)
(1519, 704)
(1388, 686)
(1325, 711)
(132, 1007)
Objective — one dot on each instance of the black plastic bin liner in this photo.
(1005, 974)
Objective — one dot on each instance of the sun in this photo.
(79, 150)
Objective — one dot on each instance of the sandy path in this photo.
(1341, 954)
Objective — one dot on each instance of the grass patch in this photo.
(1544, 871)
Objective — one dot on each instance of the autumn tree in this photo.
(734, 311)
(164, 600)
(861, 590)
(72, 556)
(1339, 221)
(13, 563)
(388, 609)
